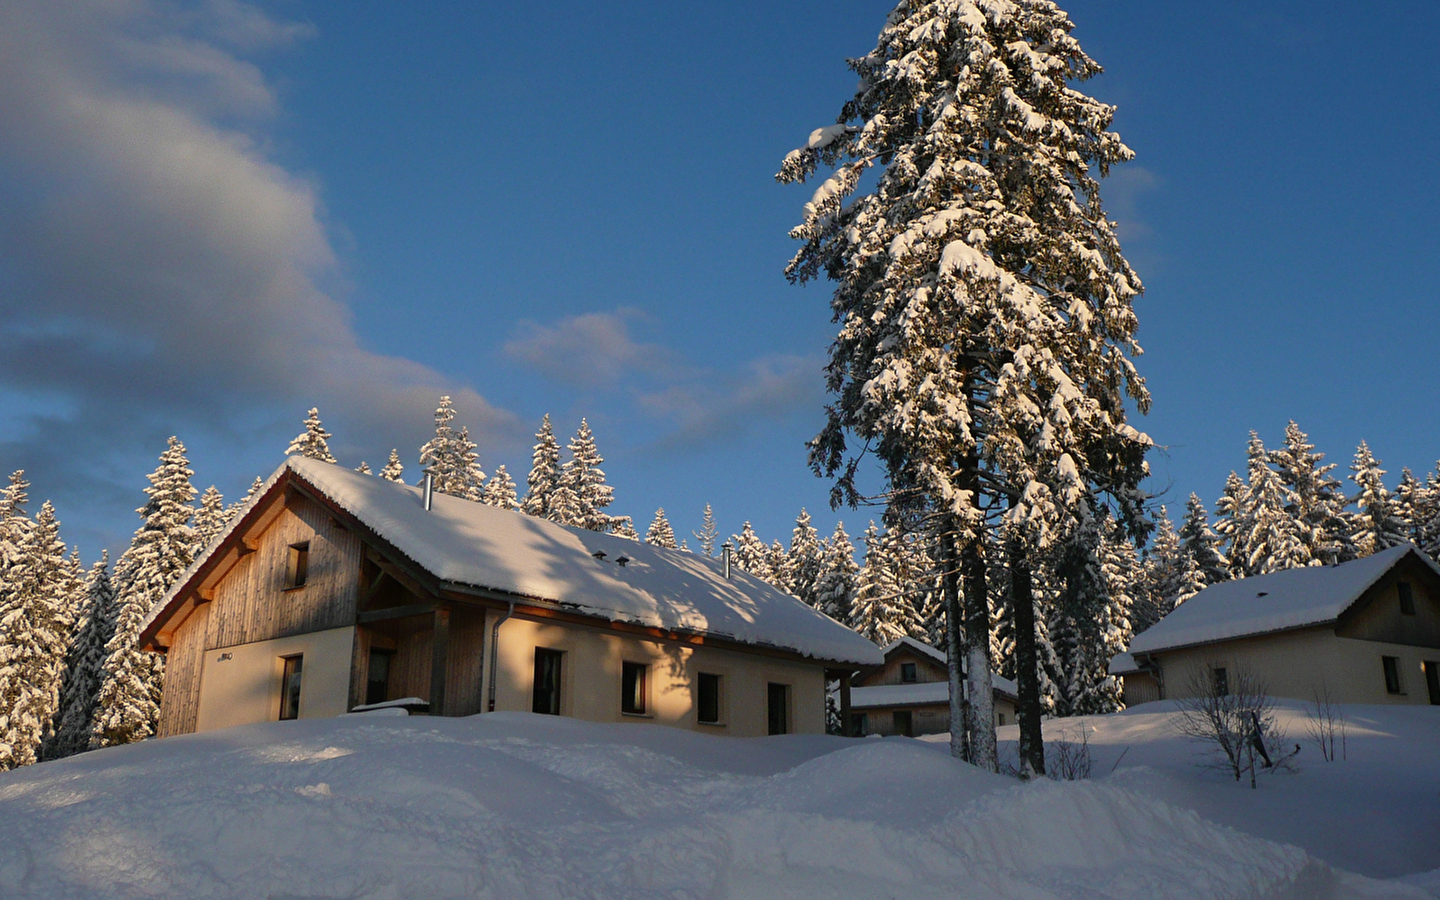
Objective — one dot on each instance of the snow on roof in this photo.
(924, 693)
(1123, 664)
(918, 646)
(471, 544)
(1294, 598)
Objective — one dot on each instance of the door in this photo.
(779, 708)
(1432, 680)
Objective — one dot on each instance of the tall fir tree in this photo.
(1268, 534)
(804, 561)
(707, 533)
(1427, 526)
(128, 704)
(544, 479)
(394, 470)
(751, 554)
(624, 526)
(85, 661)
(660, 533)
(1412, 506)
(835, 583)
(313, 442)
(1317, 502)
(985, 308)
(1201, 544)
(1171, 577)
(1230, 513)
(880, 609)
(1376, 524)
(500, 490)
(583, 495)
(211, 518)
(451, 458)
(364, 468)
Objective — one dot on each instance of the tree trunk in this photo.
(954, 647)
(977, 653)
(1027, 670)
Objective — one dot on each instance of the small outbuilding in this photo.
(910, 694)
(332, 591)
(1363, 631)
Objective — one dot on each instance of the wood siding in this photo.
(180, 702)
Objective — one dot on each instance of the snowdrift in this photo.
(513, 805)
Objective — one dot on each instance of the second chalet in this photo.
(333, 591)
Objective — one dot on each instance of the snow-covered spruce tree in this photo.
(1171, 576)
(778, 559)
(394, 470)
(364, 468)
(835, 585)
(211, 518)
(1412, 502)
(128, 705)
(750, 553)
(984, 304)
(450, 457)
(660, 533)
(500, 490)
(876, 609)
(1375, 523)
(1230, 512)
(36, 619)
(1427, 526)
(707, 533)
(85, 662)
(583, 494)
(624, 526)
(1268, 536)
(1317, 499)
(804, 561)
(544, 478)
(1200, 542)
(312, 442)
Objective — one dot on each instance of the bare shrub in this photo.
(1326, 723)
(1230, 710)
(1068, 759)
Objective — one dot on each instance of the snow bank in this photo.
(510, 805)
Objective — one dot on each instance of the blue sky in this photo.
(217, 215)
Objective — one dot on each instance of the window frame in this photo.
(1219, 681)
(1407, 598)
(634, 694)
(297, 565)
(290, 704)
(777, 723)
(1394, 684)
(556, 705)
(909, 673)
(719, 681)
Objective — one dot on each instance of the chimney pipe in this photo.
(725, 549)
(429, 490)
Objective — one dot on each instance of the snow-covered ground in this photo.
(1376, 812)
(511, 805)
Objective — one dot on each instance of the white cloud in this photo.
(589, 349)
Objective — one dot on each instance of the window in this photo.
(999, 718)
(298, 565)
(547, 681)
(907, 673)
(377, 682)
(1220, 682)
(778, 708)
(632, 688)
(1432, 681)
(904, 723)
(859, 725)
(290, 688)
(1391, 665)
(1407, 598)
(707, 705)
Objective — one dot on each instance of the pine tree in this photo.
(312, 443)
(128, 704)
(211, 518)
(835, 583)
(583, 494)
(364, 468)
(751, 554)
(624, 527)
(779, 561)
(1317, 502)
(1202, 545)
(500, 490)
(1412, 506)
(1376, 525)
(544, 478)
(707, 533)
(1172, 576)
(85, 662)
(1428, 520)
(804, 561)
(450, 457)
(1230, 512)
(985, 308)
(394, 470)
(1269, 537)
(36, 619)
(660, 533)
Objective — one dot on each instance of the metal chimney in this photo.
(725, 549)
(428, 492)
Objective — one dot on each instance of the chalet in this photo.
(910, 693)
(1365, 631)
(334, 590)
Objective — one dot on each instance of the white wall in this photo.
(240, 685)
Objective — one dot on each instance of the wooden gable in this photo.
(1378, 614)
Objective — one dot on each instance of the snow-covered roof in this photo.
(924, 693)
(920, 647)
(1123, 664)
(469, 544)
(1294, 598)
